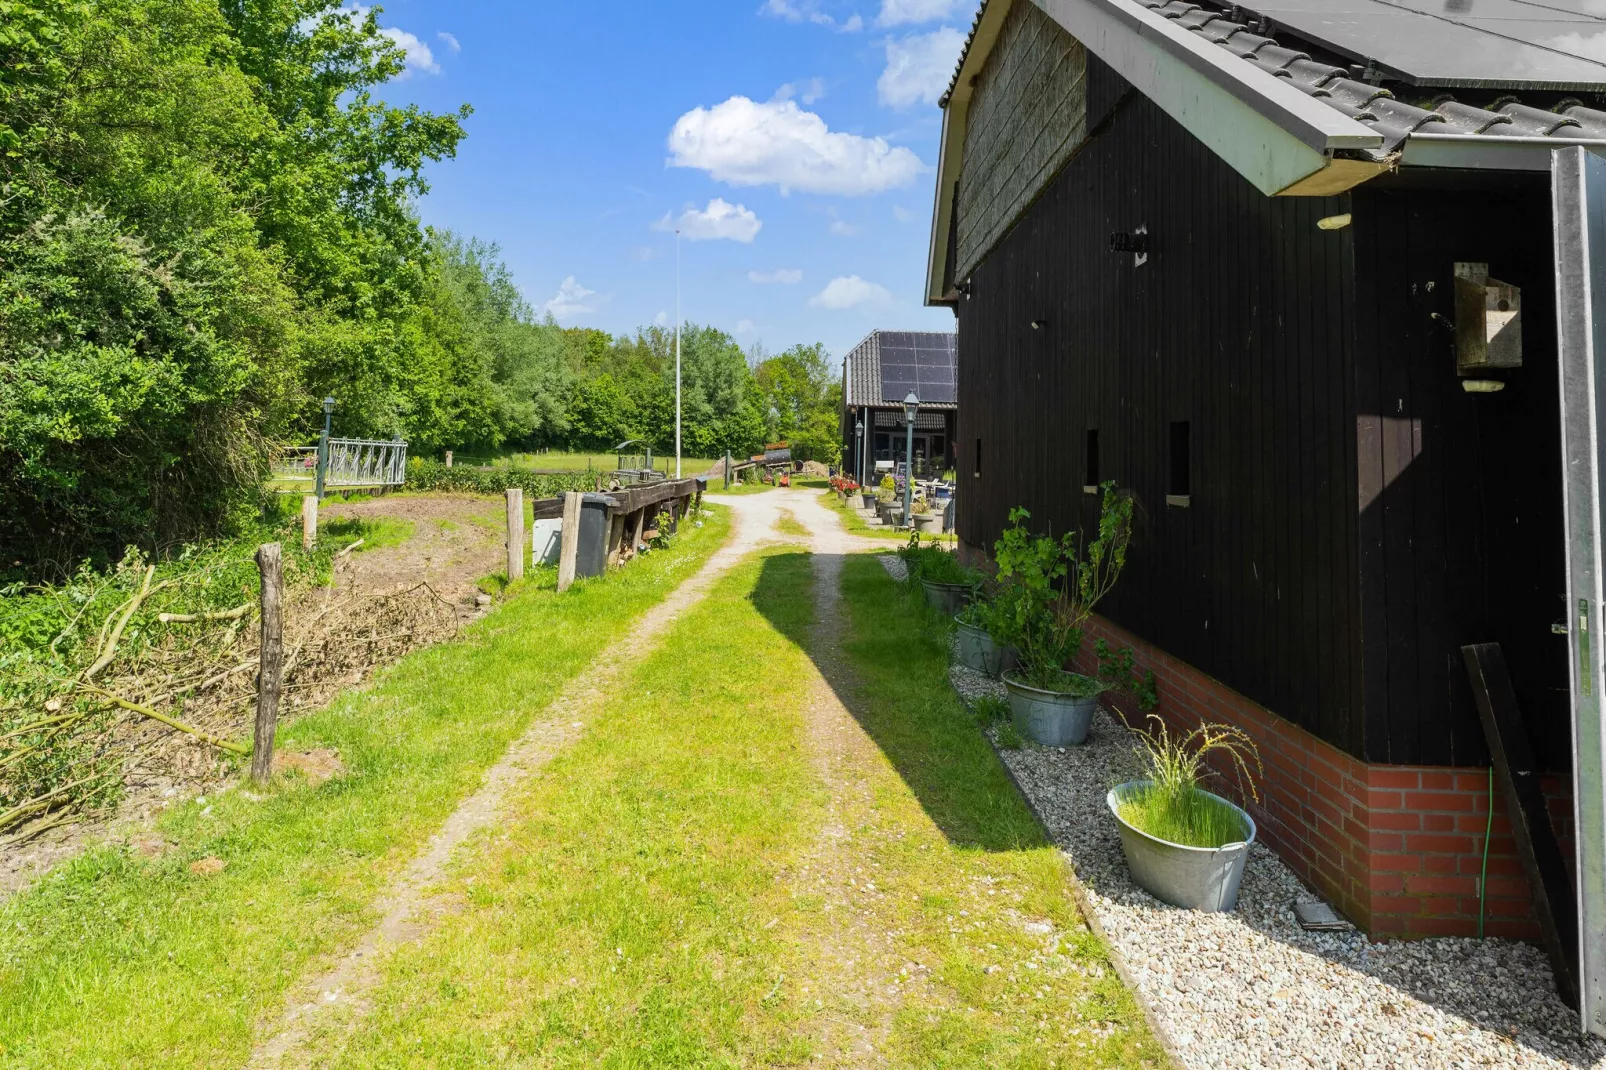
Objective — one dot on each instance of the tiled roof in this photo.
(1372, 105)
(861, 379)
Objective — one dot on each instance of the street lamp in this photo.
(911, 408)
(677, 352)
(858, 456)
(323, 446)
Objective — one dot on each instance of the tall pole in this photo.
(677, 352)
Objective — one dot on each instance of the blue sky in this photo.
(795, 139)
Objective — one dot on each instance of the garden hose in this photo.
(1483, 881)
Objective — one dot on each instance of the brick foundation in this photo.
(1399, 849)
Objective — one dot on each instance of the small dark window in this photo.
(1090, 477)
(1181, 484)
(978, 458)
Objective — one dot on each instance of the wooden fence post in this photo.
(309, 521)
(448, 458)
(515, 534)
(569, 536)
(638, 529)
(270, 667)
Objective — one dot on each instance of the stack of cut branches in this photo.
(151, 681)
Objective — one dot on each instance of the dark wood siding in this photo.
(1460, 533)
(1241, 324)
(1355, 516)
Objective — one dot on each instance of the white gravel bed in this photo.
(895, 566)
(1251, 988)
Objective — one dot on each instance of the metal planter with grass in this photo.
(947, 598)
(1194, 878)
(978, 651)
(1052, 718)
(928, 522)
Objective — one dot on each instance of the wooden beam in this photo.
(1518, 776)
(515, 534)
(569, 546)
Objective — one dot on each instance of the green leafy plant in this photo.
(1009, 737)
(1050, 588)
(664, 524)
(1172, 806)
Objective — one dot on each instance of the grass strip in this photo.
(626, 917)
(970, 897)
(118, 959)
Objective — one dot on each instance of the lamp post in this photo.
(858, 456)
(677, 352)
(911, 407)
(323, 447)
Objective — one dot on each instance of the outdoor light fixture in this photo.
(1038, 325)
(323, 447)
(858, 432)
(911, 408)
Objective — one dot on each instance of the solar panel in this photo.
(1534, 44)
(923, 363)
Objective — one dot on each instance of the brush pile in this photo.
(145, 677)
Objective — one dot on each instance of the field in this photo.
(601, 460)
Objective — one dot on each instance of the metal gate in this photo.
(1578, 183)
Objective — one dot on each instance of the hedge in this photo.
(426, 474)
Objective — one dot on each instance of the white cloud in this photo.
(902, 214)
(643, 253)
(919, 67)
(777, 143)
(662, 319)
(850, 291)
(840, 227)
(720, 219)
(781, 276)
(416, 54)
(899, 12)
(450, 42)
(745, 326)
(808, 92)
(571, 300)
(809, 11)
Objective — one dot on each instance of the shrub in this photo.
(426, 474)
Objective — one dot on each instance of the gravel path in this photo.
(1252, 989)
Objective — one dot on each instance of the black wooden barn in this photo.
(878, 374)
(1289, 274)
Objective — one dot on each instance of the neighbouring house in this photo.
(877, 375)
(1307, 281)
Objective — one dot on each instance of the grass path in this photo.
(126, 959)
(742, 861)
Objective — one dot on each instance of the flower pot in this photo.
(1195, 878)
(1051, 718)
(947, 598)
(978, 651)
(883, 509)
(927, 521)
(867, 499)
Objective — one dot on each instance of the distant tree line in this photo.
(208, 223)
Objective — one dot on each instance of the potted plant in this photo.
(948, 584)
(884, 498)
(924, 519)
(1054, 586)
(980, 624)
(1184, 845)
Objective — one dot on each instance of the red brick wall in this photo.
(1399, 849)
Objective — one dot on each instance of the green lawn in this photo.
(120, 960)
(376, 532)
(749, 486)
(657, 897)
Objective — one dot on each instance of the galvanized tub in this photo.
(1050, 717)
(1194, 878)
(927, 521)
(978, 651)
(867, 499)
(947, 598)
